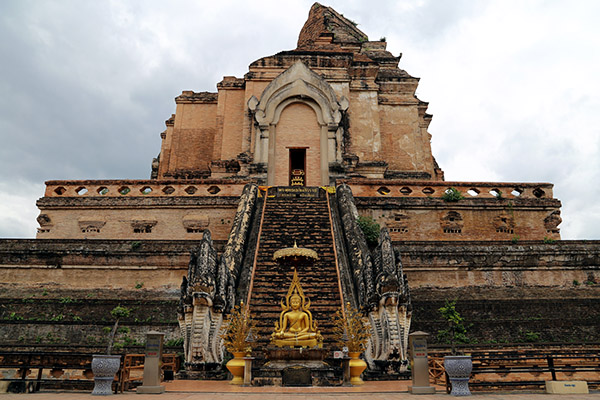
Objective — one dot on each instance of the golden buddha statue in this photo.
(296, 327)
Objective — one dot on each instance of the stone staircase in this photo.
(306, 221)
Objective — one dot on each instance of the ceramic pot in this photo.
(357, 366)
(236, 367)
(459, 369)
(104, 368)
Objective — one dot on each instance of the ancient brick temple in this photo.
(295, 151)
(337, 109)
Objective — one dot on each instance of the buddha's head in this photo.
(295, 301)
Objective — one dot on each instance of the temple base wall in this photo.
(89, 264)
(517, 292)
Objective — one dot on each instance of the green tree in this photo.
(370, 229)
(117, 313)
(452, 195)
(456, 332)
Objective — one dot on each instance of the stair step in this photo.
(305, 221)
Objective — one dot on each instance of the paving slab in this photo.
(220, 390)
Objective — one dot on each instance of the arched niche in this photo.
(298, 84)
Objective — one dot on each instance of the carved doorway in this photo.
(297, 167)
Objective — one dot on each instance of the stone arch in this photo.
(298, 84)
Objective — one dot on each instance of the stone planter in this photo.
(459, 369)
(357, 366)
(236, 367)
(104, 368)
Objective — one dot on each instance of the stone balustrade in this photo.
(433, 189)
(144, 188)
(360, 188)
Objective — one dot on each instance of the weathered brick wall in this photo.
(404, 145)
(95, 264)
(193, 135)
(493, 264)
(161, 264)
(417, 210)
(509, 292)
(231, 138)
(43, 316)
(515, 314)
(364, 128)
(138, 210)
(298, 128)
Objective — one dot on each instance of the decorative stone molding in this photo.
(358, 252)
(301, 82)
(391, 321)
(143, 225)
(44, 220)
(552, 221)
(504, 223)
(208, 291)
(298, 84)
(381, 288)
(452, 222)
(199, 321)
(195, 222)
(90, 225)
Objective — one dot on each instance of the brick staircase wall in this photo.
(305, 221)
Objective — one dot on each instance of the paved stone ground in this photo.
(296, 396)
(219, 390)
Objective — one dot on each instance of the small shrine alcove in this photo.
(298, 125)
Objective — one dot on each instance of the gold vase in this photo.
(357, 366)
(236, 367)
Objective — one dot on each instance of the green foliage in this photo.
(106, 329)
(52, 338)
(174, 342)
(117, 313)
(370, 229)
(123, 329)
(135, 245)
(120, 312)
(590, 283)
(576, 282)
(349, 20)
(45, 292)
(58, 317)
(531, 337)
(456, 331)
(139, 285)
(548, 240)
(382, 39)
(13, 316)
(452, 195)
(65, 300)
(129, 341)
(76, 318)
(515, 239)
(91, 340)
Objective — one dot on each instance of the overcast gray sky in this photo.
(85, 86)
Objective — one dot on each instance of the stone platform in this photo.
(288, 366)
(201, 390)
